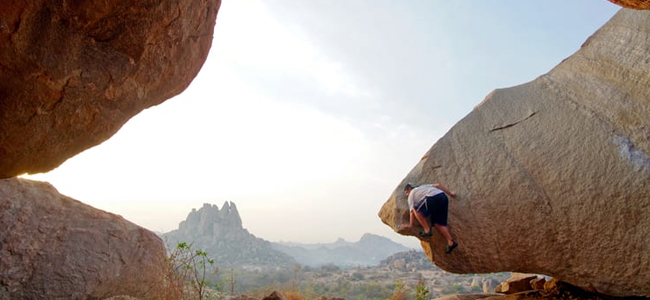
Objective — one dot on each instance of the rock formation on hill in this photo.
(407, 261)
(221, 235)
(54, 247)
(553, 176)
(73, 72)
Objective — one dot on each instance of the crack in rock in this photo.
(512, 124)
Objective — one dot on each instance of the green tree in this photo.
(192, 267)
(421, 290)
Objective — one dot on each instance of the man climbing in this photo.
(429, 201)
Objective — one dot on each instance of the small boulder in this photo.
(515, 284)
(538, 283)
(275, 296)
(488, 285)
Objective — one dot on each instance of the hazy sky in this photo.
(307, 114)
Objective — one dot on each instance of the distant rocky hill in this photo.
(408, 261)
(368, 251)
(221, 235)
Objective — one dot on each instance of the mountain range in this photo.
(370, 250)
(221, 234)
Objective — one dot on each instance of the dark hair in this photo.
(407, 187)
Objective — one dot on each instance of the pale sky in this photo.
(307, 114)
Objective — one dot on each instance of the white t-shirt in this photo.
(420, 192)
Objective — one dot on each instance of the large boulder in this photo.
(73, 72)
(54, 247)
(553, 176)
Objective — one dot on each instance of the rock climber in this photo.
(429, 202)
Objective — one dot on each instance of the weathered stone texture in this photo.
(634, 4)
(73, 72)
(54, 247)
(553, 176)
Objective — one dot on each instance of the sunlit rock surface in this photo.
(553, 176)
(54, 247)
(634, 4)
(73, 72)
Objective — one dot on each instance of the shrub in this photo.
(421, 290)
(400, 291)
(187, 272)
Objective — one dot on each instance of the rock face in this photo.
(210, 221)
(73, 72)
(54, 247)
(553, 176)
(634, 4)
(221, 235)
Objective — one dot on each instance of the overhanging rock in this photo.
(73, 72)
(553, 176)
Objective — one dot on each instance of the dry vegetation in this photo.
(404, 276)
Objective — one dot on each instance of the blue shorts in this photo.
(435, 208)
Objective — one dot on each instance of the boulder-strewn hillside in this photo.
(221, 235)
(553, 176)
(407, 261)
(368, 251)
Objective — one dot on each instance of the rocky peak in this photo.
(209, 220)
(230, 214)
(220, 233)
(370, 238)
